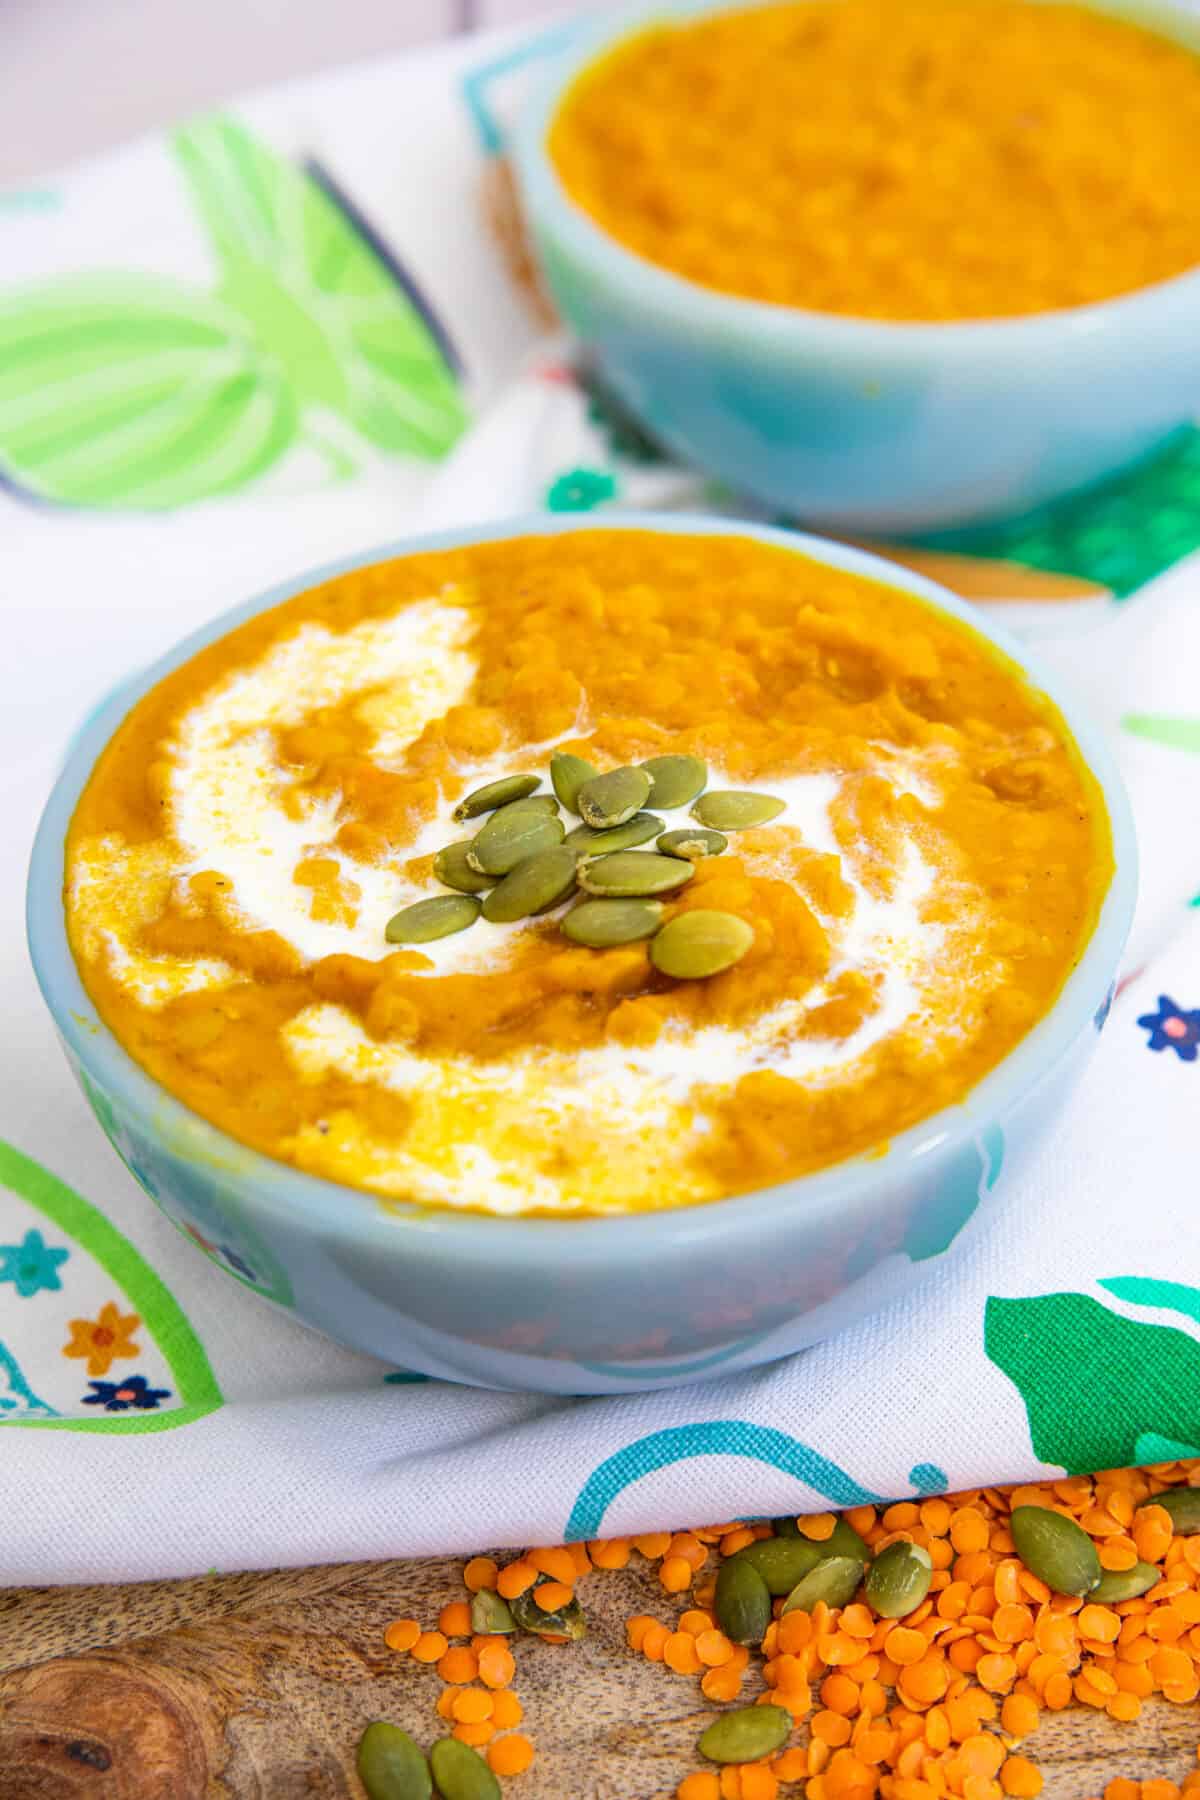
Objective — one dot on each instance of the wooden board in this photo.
(256, 1687)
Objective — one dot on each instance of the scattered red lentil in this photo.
(402, 1634)
(510, 1755)
(939, 1704)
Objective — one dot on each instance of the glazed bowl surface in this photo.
(851, 424)
(589, 1305)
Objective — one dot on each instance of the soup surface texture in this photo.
(263, 812)
(895, 159)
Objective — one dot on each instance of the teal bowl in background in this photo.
(860, 425)
(584, 1306)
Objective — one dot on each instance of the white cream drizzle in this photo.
(226, 815)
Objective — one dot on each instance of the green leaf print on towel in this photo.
(1097, 1387)
(127, 390)
(1156, 728)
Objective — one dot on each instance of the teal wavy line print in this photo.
(1158, 728)
(928, 1478)
(717, 1437)
(128, 390)
(17, 1398)
(1143, 1290)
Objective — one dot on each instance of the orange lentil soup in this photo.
(261, 814)
(895, 159)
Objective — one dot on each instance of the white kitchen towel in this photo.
(279, 336)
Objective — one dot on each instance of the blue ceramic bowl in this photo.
(854, 424)
(589, 1305)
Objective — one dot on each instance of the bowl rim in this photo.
(771, 324)
(486, 1241)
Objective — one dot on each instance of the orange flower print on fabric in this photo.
(104, 1339)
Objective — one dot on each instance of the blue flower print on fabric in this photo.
(1171, 1028)
(133, 1392)
(31, 1266)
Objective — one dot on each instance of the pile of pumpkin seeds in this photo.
(523, 861)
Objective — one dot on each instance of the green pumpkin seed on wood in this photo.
(461, 1773)
(1116, 1585)
(390, 1766)
(746, 1735)
(490, 1612)
(626, 873)
(1055, 1549)
(427, 920)
(899, 1579)
(781, 1561)
(452, 869)
(834, 1580)
(699, 944)
(567, 1621)
(675, 779)
(585, 840)
(494, 794)
(568, 774)
(612, 798)
(741, 1602)
(728, 809)
(509, 837)
(601, 924)
(693, 845)
(535, 885)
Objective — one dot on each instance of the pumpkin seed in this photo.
(1183, 1504)
(602, 923)
(742, 1602)
(781, 1561)
(1116, 1585)
(1055, 1549)
(834, 1580)
(632, 872)
(786, 1527)
(461, 1773)
(699, 943)
(509, 837)
(568, 774)
(494, 794)
(746, 1735)
(535, 885)
(612, 798)
(899, 1579)
(675, 779)
(490, 1612)
(639, 830)
(568, 1621)
(426, 920)
(843, 1540)
(692, 845)
(728, 809)
(535, 803)
(452, 869)
(390, 1766)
